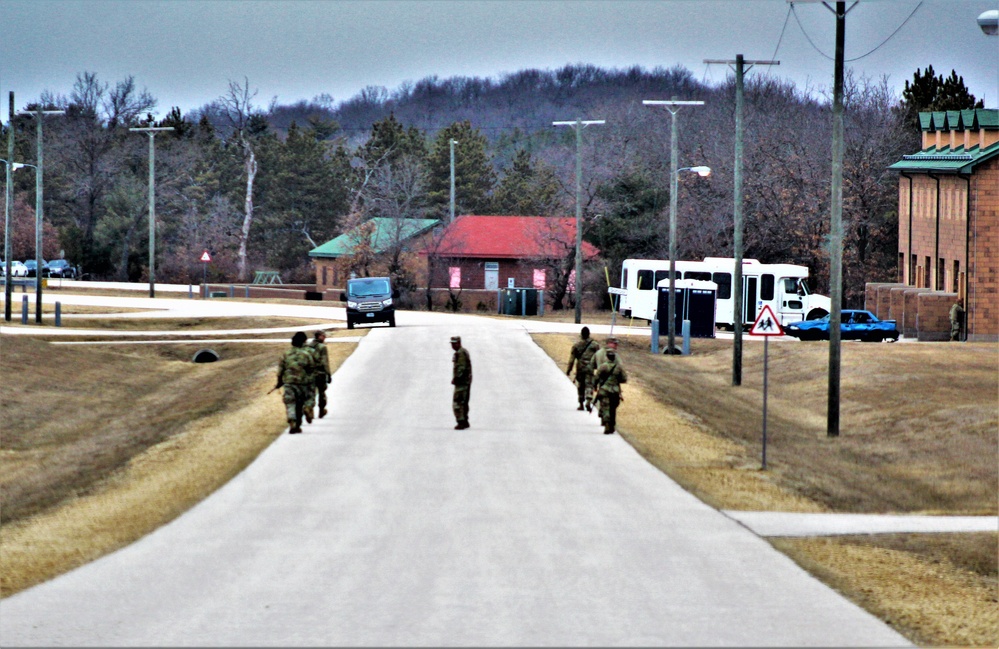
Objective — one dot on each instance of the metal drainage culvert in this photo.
(206, 356)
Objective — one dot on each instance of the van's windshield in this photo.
(368, 287)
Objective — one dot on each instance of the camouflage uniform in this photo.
(462, 381)
(956, 320)
(323, 373)
(295, 375)
(609, 377)
(582, 355)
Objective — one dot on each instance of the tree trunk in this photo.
(251, 172)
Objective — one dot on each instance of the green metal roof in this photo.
(383, 233)
(974, 119)
(947, 160)
(956, 160)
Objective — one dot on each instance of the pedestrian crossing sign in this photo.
(766, 324)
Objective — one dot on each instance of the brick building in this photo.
(487, 253)
(949, 220)
(371, 244)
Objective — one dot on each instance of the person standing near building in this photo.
(461, 379)
(581, 356)
(323, 374)
(607, 385)
(295, 375)
(956, 319)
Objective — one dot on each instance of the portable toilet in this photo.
(695, 301)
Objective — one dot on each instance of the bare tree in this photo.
(237, 106)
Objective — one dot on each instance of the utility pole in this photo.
(452, 143)
(836, 228)
(151, 131)
(579, 124)
(740, 64)
(39, 116)
(8, 204)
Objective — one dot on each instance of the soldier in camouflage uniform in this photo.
(295, 375)
(461, 379)
(601, 357)
(607, 385)
(323, 374)
(582, 355)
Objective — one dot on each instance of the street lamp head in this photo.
(18, 165)
(701, 171)
(989, 22)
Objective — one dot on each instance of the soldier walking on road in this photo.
(462, 381)
(601, 356)
(582, 355)
(956, 319)
(323, 374)
(295, 375)
(607, 385)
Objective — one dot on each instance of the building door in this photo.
(492, 275)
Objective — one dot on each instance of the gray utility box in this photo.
(695, 301)
(521, 301)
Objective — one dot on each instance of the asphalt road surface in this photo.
(382, 525)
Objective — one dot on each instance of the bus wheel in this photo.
(816, 314)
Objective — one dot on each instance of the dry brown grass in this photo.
(174, 324)
(918, 434)
(102, 446)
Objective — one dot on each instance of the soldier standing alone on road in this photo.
(295, 374)
(582, 355)
(607, 385)
(956, 319)
(462, 381)
(323, 374)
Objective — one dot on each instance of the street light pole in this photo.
(673, 106)
(579, 124)
(151, 131)
(39, 116)
(740, 62)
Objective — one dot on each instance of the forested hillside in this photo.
(259, 186)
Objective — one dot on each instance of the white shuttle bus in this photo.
(782, 287)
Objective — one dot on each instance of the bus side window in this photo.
(661, 275)
(624, 278)
(645, 280)
(724, 282)
(767, 287)
(699, 275)
(790, 285)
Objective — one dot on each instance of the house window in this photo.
(957, 276)
(941, 269)
(901, 267)
(455, 274)
(539, 278)
(926, 274)
(913, 277)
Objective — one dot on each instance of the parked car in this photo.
(854, 325)
(30, 265)
(61, 268)
(17, 269)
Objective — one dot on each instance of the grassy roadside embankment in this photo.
(919, 435)
(102, 445)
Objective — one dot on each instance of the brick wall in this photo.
(934, 315)
(880, 305)
(983, 271)
(907, 317)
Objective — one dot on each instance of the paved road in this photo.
(381, 525)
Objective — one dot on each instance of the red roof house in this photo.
(491, 252)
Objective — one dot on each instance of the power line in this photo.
(857, 58)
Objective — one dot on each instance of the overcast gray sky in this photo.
(186, 51)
